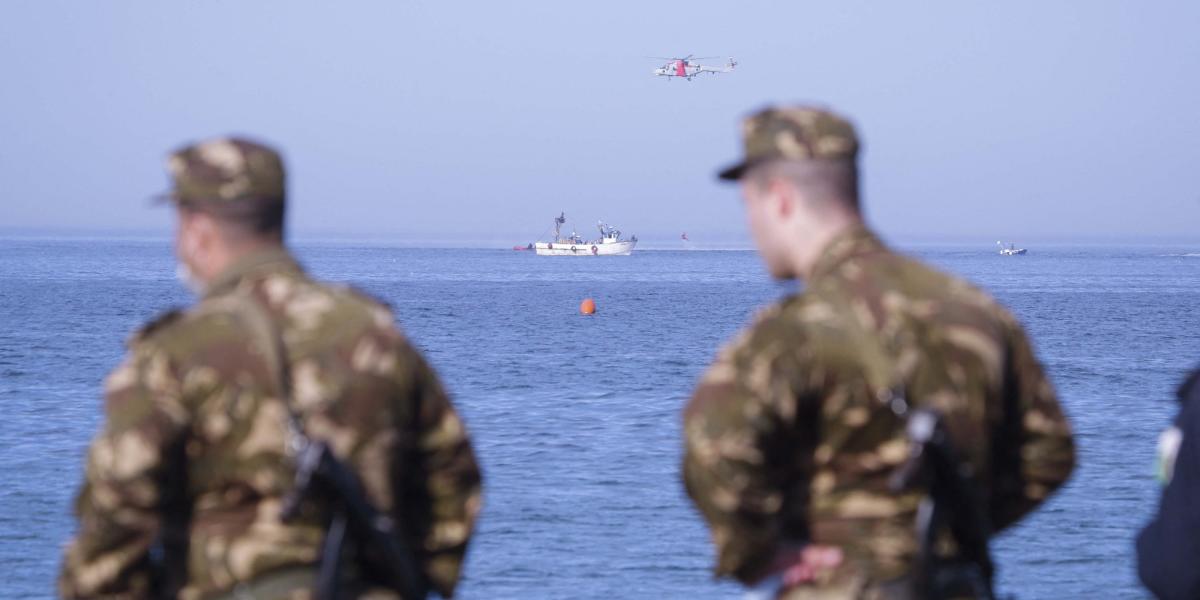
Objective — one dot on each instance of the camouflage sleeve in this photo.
(734, 465)
(1043, 453)
(118, 505)
(444, 490)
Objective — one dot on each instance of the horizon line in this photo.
(464, 240)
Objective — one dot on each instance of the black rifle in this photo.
(356, 527)
(953, 505)
(358, 534)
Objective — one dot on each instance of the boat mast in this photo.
(558, 223)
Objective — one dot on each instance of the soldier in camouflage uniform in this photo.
(195, 449)
(792, 434)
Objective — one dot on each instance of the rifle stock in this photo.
(382, 556)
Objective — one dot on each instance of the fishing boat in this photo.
(610, 242)
(1011, 250)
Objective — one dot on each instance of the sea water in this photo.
(576, 420)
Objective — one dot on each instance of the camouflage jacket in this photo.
(195, 427)
(789, 437)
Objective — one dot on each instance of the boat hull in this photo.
(623, 248)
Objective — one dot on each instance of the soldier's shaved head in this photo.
(262, 222)
(826, 183)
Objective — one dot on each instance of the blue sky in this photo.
(480, 121)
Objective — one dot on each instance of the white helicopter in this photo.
(684, 67)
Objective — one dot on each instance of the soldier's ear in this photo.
(203, 230)
(782, 196)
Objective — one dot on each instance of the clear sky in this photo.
(480, 121)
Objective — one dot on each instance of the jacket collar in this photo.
(260, 261)
(855, 241)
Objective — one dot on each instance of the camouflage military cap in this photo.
(793, 133)
(226, 172)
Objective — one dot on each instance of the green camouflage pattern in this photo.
(226, 172)
(794, 133)
(196, 403)
(791, 436)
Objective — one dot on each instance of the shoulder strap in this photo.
(270, 340)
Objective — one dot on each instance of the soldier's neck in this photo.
(812, 244)
(225, 256)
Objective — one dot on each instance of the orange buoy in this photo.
(587, 307)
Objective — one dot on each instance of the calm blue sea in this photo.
(576, 419)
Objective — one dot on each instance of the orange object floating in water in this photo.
(587, 307)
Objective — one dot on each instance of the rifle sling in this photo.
(270, 339)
